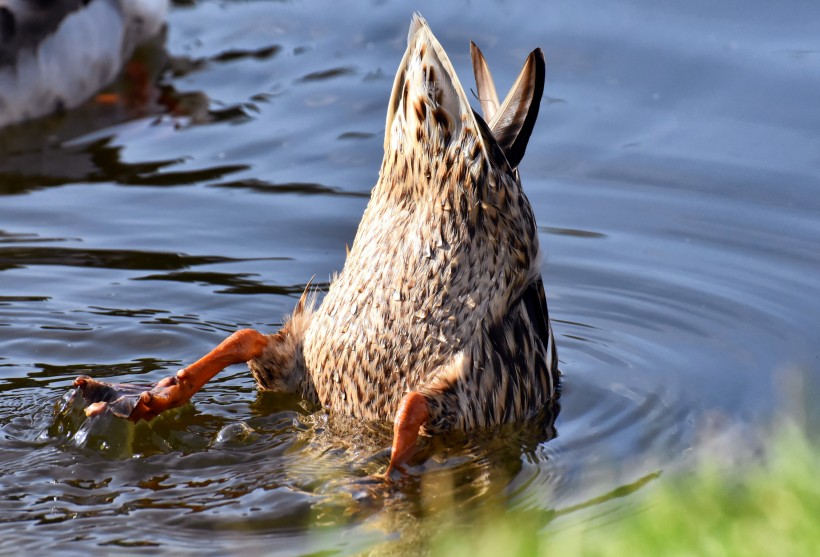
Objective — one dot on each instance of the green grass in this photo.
(769, 507)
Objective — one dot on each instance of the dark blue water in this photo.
(673, 172)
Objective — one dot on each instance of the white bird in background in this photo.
(56, 54)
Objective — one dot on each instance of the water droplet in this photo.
(233, 434)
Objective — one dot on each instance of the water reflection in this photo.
(47, 151)
(98, 161)
(303, 188)
(21, 257)
(236, 283)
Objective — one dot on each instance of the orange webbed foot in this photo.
(132, 402)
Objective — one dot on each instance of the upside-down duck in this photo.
(438, 320)
(56, 54)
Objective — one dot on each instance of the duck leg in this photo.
(136, 404)
(413, 412)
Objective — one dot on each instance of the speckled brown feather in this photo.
(441, 291)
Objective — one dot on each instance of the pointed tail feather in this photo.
(512, 122)
(487, 95)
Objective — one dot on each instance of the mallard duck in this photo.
(438, 320)
(55, 54)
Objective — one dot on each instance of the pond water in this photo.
(674, 175)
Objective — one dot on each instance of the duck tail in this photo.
(512, 121)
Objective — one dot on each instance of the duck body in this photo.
(438, 320)
(441, 292)
(55, 54)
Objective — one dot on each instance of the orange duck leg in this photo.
(413, 413)
(131, 402)
(136, 403)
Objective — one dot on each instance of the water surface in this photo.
(673, 173)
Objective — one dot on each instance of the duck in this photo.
(438, 320)
(56, 54)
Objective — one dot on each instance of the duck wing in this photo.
(535, 303)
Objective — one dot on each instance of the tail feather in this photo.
(513, 121)
(487, 95)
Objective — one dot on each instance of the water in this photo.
(673, 172)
